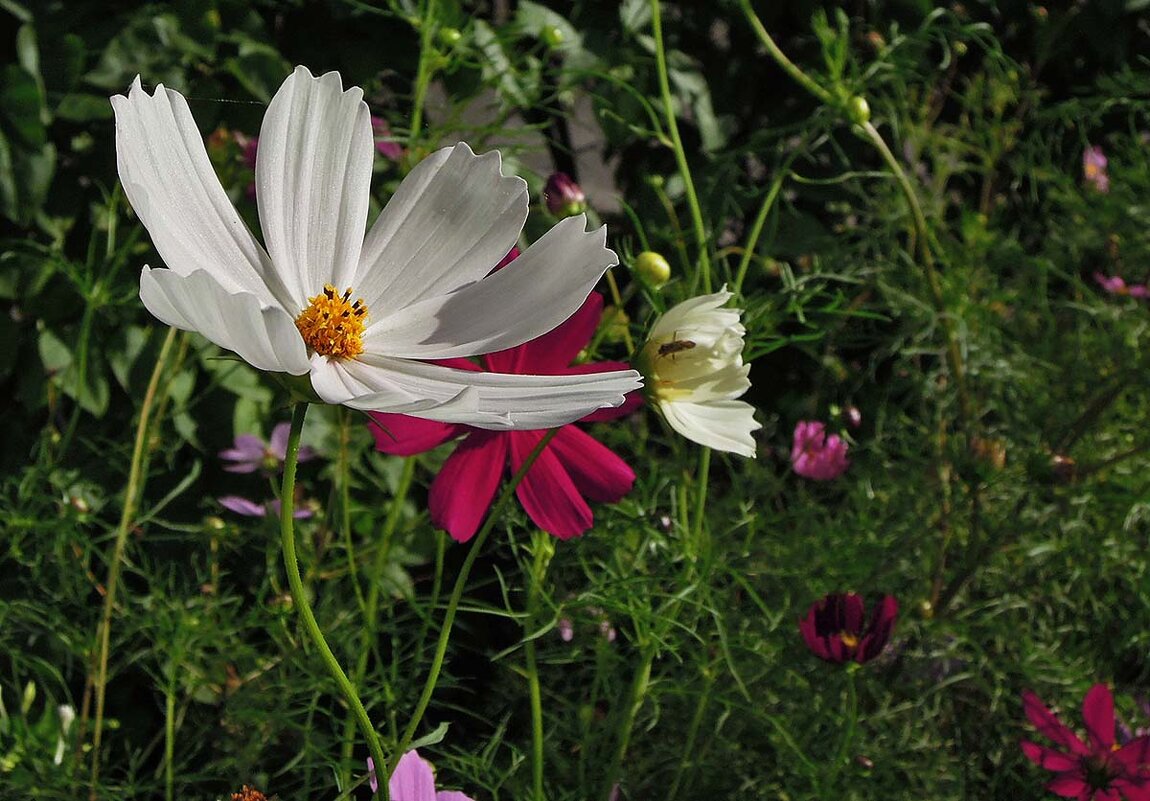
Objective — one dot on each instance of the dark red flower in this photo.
(564, 197)
(1098, 770)
(836, 629)
(572, 468)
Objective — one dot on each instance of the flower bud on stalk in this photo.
(653, 268)
(564, 197)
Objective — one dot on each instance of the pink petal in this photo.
(1048, 758)
(594, 468)
(412, 780)
(242, 506)
(1098, 712)
(1135, 754)
(401, 435)
(547, 492)
(462, 492)
(1069, 786)
(1050, 726)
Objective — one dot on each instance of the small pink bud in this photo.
(564, 197)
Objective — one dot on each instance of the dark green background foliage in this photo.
(1011, 574)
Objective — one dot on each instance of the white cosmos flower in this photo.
(354, 313)
(693, 362)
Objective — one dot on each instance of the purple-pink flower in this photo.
(385, 143)
(573, 468)
(836, 628)
(1096, 770)
(817, 456)
(249, 453)
(413, 780)
(249, 508)
(1116, 285)
(1094, 163)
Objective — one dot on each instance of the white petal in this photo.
(697, 313)
(263, 336)
(313, 176)
(722, 425)
(527, 298)
(484, 400)
(170, 182)
(449, 223)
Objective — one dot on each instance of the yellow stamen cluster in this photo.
(849, 640)
(332, 325)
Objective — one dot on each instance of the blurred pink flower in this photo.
(413, 780)
(1094, 163)
(817, 456)
(572, 468)
(385, 143)
(249, 508)
(249, 453)
(1116, 285)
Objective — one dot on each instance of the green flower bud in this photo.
(653, 268)
(858, 110)
(449, 37)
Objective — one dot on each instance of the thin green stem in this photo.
(689, 757)
(132, 495)
(83, 346)
(343, 476)
(636, 694)
(457, 593)
(852, 714)
(781, 59)
(299, 595)
(677, 146)
(424, 70)
(544, 550)
(169, 739)
(371, 613)
(701, 497)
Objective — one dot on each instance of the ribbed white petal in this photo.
(722, 425)
(449, 223)
(313, 175)
(700, 315)
(170, 182)
(263, 336)
(484, 400)
(527, 298)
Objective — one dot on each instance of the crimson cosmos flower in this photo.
(835, 628)
(572, 467)
(1098, 770)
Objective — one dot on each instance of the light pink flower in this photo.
(572, 468)
(413, 780)
(385, 143)
(1094, 163)
(249, 453)
(817, 456)
(248, 508)
(1116, 285)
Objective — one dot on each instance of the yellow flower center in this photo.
(332, 325)
(849, 640)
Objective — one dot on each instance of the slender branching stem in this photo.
(423, 71)
(543, 551)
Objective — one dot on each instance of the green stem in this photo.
(457, 593)
(424, 70)
(701, 498)
(636, 694)
(343, 476)
(83, 345)
(127, 515)
(169, 739)
(689, 755)
(544, 550)
(371, 613)
(781, 59)
(760, 221)
(677, 146)
(299, 595)
(852, 714)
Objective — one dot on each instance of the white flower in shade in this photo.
(360, 315)
(693, 363)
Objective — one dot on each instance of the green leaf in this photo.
(497, 69)
(84, 108)
(21, 105)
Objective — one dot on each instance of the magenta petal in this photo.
(547, 493)
(1135, 754)
(1069, 786)
(1050, 726)
(631, 401)
(412, 780)
(402, 435)
(462, 492)
(594, 468)
(1098, 712)
(555, 350)
(1048, 758)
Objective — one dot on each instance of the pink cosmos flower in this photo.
(413, 780)
(1098, 770)
(574, 466)
(1116, 285)
(385, 143)
(817, 456)
(249, 453)
(1094, 163)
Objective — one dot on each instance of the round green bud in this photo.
(859, 110)
(450, 37)
(653, 268)
(551, 36)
